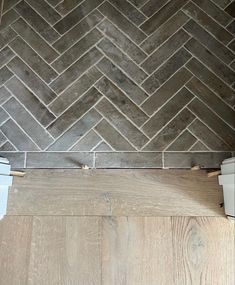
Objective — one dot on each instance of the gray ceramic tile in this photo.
(73, 134)
(165, 51)
(4, 95)
(212, 81)
(76, 70)
(28, 123)
(6, 36)
(207, 22)
(19, 138)
(121, 101)
(183, 142)
(72, 114)
(65, 7)
(75, 91)
(208, 137)
(5, 55)
(126, 128)
(43, 92)
(189, 159)
(16, 159)
(34, 61)
(37, 22)
(119, 20)
(134, 92)
(59, 159)
(129, 160)
(3, 116)
(166, 91)
(113, 137)
(87, 142)
(34, 40)
(5, 74)
(167, 112)
(121, 60)
(170, 131)
(152, 6)
(30, 101)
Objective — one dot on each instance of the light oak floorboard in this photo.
(116, 192)
(15, 243)
(203, 251)
(137, 251)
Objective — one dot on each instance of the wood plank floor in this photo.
(116, 251)
(116, 192)
(116, 227)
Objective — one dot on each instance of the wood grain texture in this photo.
(65, 251)
(15, 242)
(137, 251)
(116, 192)
(204, 251)
(117, 251)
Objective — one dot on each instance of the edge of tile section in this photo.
(189, 159)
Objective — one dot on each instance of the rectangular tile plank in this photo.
(59, 159)
(121, 101)
(213, 121)
(166, 91)
(73, 134)
(16, 159)
(183, 142)
(208, 23)
(76, 51)
(128, 160)
(43, 92)
(208, 137)
(130, 88)
(162, 16)
(6, 55)
(80, 107)
(28, 123)
(5, 74)
(167, 112)
(122, 23)
(152, 6)
(122, 41)
(64, 7)
(217, 66)
(113, 137)
(28, 55)
(212, 100)
(6, 36)
(165, 71)
(76, 15)
(75, 91)
(165, 51)
(133, 14)
(78, 31)
(45, 10)
(170, 131)
(34, 40)
(18, 137)
(8, 18)
(37, 22)
(189, 159)
(30, 101)
(124, 126)
(76, 70)
(212, 81)
(119, 58)
(216, 47)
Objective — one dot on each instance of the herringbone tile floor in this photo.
(118, 83)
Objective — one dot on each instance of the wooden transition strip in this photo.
(116, 192)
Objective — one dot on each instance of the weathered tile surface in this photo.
(118, 83)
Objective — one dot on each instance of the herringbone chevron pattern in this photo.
(118, 83)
